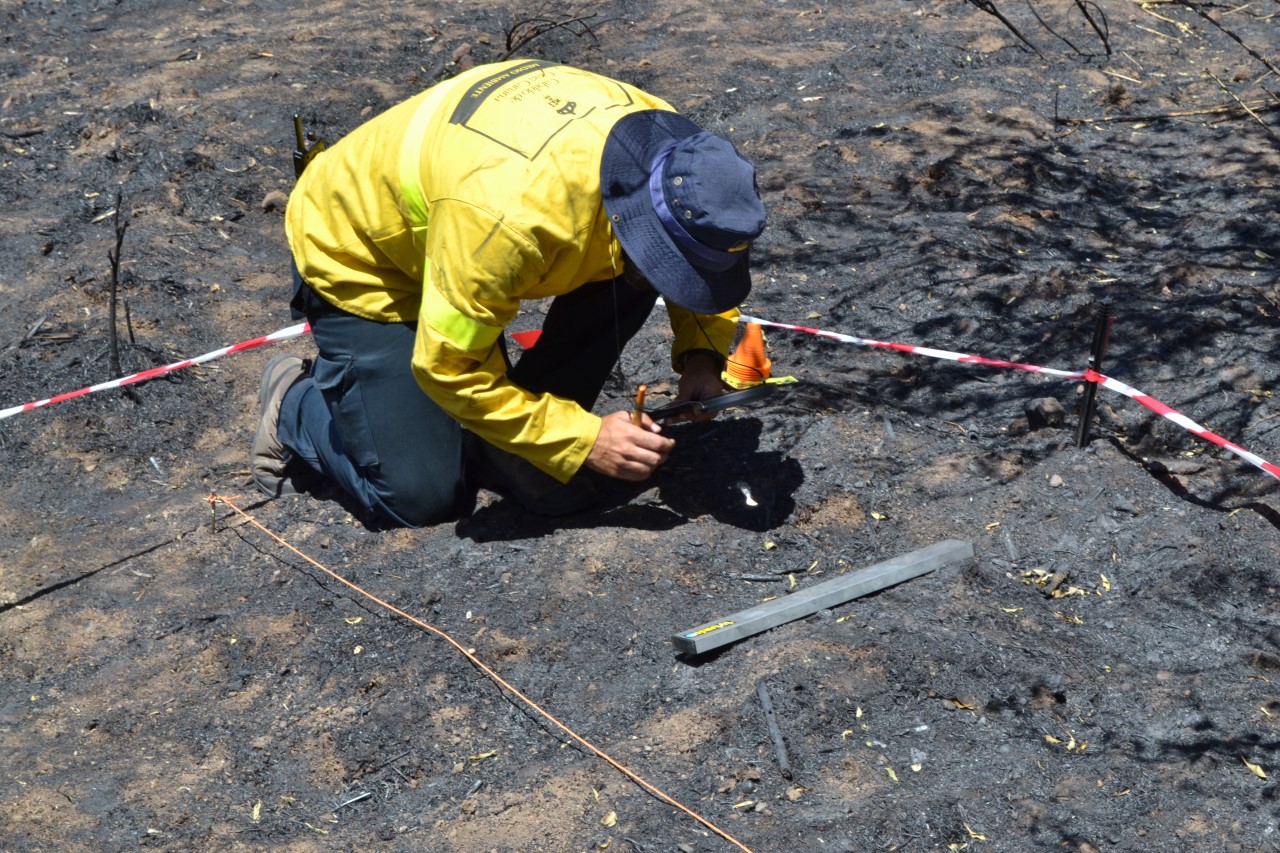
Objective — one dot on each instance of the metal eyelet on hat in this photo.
(678, 180)
(688, 214)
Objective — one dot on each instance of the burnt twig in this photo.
(1103, 30)
(1195, 7)
(114, 256)
(30, 333)
(128, 324)
(989, 7)
(363, 795)
(1226, 110)
(22, 134)
(545, 20)
(775, 733)
(1243, 105)
(1032, 8)
(1088, 9)
(113, 334)
(1056, 580)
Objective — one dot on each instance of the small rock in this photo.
(1124, 506)
(1018, 426)
(1264, 661)
(1045, 412)
(462, 57)
(1055, 482)
(1239, 378)
(273, 201)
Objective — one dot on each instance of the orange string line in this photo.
(497, 679)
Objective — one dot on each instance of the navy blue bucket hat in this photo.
(684, 205)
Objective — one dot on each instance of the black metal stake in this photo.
(1101, 337)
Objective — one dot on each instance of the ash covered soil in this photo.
(174, 679)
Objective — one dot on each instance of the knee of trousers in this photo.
(422, 498)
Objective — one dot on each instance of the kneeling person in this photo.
(415, 239)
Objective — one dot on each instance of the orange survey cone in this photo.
(748, 366)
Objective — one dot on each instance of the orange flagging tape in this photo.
(497, 679)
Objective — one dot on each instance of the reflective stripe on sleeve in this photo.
(414, 199)
(460, 330)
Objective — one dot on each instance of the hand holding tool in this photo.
(712, 404)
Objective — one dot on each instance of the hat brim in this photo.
(630, 148)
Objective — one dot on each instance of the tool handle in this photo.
(637, 414)
(303, 153)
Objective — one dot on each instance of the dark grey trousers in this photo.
(361, 421)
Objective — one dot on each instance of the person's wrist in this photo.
(703, 359)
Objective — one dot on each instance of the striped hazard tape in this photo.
(915, 350)
(1181, 420)
(1088, 375)
(274, 337)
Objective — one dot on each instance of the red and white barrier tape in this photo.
(1105, 381)
(274, 337)
(1181, 420)
(915, 350)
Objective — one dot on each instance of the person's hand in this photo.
(700, 380)
(626, 451)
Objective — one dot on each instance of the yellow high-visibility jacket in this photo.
(452, 207)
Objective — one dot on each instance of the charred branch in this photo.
(990, 8)
(546, 19)
(1089, 10)
(1196, 7)
(1099, 24)
(113, 332)
(113, 255)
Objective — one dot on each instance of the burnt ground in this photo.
(171, 683)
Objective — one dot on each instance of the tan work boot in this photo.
(267, 462)
(532, 488)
